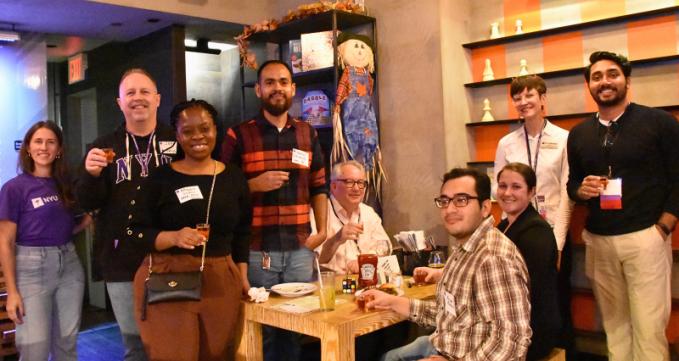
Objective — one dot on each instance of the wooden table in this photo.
(337, 329)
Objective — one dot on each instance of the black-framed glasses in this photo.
(609, 138)
(350, 183)
(459, 200)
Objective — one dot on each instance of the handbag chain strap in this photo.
(207, 221)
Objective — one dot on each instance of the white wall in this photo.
(23, 95)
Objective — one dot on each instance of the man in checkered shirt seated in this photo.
(482, 309)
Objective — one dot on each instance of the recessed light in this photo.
(116, 24)
(220, 46)
(153, 20)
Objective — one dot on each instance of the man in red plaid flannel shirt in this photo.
(281, 158)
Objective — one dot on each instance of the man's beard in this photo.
(276, 109)
(620, 96)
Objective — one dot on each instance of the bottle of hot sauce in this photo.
(367, 270)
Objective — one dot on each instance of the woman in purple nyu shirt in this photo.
(43, 274)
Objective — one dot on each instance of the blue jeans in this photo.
(122, 301)
(290, 266)
(418, 349)
(51, 282)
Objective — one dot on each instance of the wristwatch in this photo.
(664, 228)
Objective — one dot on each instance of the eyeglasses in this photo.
(459, 200)
(350, 183)
(609, 138)
(517, 99)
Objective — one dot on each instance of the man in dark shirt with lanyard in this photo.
(624, 163)
(281, 158)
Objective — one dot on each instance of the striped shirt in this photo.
(488, 279)
(281, 216)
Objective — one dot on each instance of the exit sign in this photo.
(76, 68)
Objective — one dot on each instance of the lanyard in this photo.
(144, 164)
(338, 218)
(332, 205)
(537, 149)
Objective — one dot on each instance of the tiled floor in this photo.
(99, 338)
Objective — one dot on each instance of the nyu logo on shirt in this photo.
(40, 201)
(124, 164)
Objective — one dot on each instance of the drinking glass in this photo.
(362, 302)
(383, 248)
(419, 277)
(437, 259)
(327, 291)
(396, 279)
(603, 180)
(108, 153)
(204, 230)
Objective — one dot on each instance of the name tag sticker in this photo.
(300, 157)
(450, 303)
(549, 145)
(611, 198)
(188, 193)
(168, 147)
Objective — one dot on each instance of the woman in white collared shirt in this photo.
(542, 146)
(546, 154)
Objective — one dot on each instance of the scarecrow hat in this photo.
(347, 35)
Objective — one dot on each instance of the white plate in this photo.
(293, 289)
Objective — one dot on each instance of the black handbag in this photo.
(176, 286)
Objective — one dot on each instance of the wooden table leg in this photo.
(337, 343)
(250, 345)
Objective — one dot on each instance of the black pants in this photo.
(566, 337)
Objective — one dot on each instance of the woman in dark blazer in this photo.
(534, 237)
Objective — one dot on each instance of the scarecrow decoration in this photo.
(356, 134)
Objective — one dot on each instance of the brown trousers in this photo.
(191, 330)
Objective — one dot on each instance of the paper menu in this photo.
(388, 264)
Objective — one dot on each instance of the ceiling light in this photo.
(200, 46)
(6, 35)
(220, 46)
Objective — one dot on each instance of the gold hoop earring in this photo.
(29, 154)
(58, 156)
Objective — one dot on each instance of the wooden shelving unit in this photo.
(574, 27)
(575, 71)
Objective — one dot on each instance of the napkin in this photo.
(258, 294)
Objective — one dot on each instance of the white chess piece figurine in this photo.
(487, 117)
(488, 72)
(519, 27)
(494, 32)
(523, 71)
